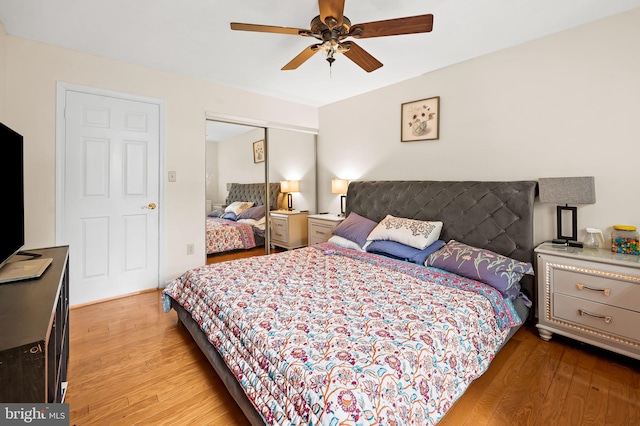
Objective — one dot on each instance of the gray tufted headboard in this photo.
(497, 216)
(254, 192)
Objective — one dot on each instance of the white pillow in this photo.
(238, 207)
(411, 232)
(345, 243)
(252, 222)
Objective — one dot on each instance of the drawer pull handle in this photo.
(320, 232)
(606, 318)
(606, 292)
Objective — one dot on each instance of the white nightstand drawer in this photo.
(288, 229)
(279, 231)
(319, 233)
(599, 287)
(321, 227)
(608, 319)
(592, 295)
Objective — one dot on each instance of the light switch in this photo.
(172, 176)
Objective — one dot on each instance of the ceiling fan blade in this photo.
(301, 58)
(390, 27)
(331, 9)
(361, 57)
(267, 29)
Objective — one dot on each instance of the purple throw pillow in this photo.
(355, 228)
(255, 213)
(216, 213)
(500, 272)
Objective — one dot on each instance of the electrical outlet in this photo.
(190, 248)
(172, 176)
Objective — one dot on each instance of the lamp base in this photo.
(568, 243)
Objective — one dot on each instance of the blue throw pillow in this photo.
(355, 228)
(402, 251)
(230, 216)
(500, 272)
(421, 256)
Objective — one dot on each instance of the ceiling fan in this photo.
(332, 29)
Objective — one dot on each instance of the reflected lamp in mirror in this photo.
(567, 190)
(339, 186)
(289, 186)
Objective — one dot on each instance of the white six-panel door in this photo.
(110, 195)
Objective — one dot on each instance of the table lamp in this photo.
(567, 190)
(289, 186)
(339, 186)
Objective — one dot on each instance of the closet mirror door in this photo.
(235, 153)
(292, 157)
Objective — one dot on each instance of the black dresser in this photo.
(34, 333)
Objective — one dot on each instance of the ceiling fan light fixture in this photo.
(331, 28)
(330, 48)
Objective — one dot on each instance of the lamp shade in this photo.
(567, 190)
(339, 186)
(289, 186)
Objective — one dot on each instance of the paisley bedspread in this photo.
(330, 336)
(224, 235)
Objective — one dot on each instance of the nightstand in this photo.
(591, 295)
(321, 227)
(288, 228)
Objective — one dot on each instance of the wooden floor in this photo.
(131, 364)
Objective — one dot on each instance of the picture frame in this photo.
(258, 151)
(420, 120)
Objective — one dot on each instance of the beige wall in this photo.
(564, 105)
(33, 70)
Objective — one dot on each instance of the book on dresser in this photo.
(34, 343)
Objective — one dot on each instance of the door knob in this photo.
(150, 206)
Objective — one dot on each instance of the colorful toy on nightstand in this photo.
(624, 239)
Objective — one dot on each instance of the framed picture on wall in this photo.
(258, 151)
(420, 120)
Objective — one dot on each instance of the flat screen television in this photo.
(11, 193)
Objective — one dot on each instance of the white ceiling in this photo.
(193, 37)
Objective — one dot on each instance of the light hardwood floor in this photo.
(131, 364)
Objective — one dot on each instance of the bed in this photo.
(236, 226)
(330, 334)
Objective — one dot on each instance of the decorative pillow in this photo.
(229, 216)
(355, 228)
(216, 213)
(491, 268)
(256, 212)
(410, 232)
(344, 243)
(238, 207)
(402, 251)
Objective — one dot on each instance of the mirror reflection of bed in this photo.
(237, 228)
(229, 159)
(235, 175)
